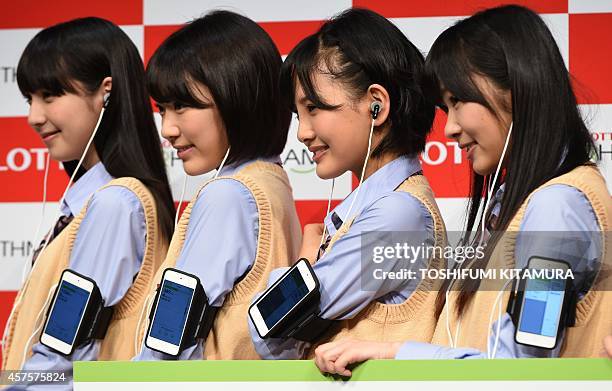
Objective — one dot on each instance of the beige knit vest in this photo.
(414, 319)
(47, 271)
(278, 244)
(594, 311)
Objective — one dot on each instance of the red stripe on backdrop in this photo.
(313, 211)
(288, 34)
(590, 56)
(419, 8)
(30, 14)
(154, 36)
(6, 304)
(22, 162)
(284, 34)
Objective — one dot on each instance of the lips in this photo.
(317, 152)
(46, 136)
(468, 148)
(183, 150)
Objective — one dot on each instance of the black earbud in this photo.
(375, 108)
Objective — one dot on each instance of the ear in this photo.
(107, 84)
(105, 88)
(376, 92)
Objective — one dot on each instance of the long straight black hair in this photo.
(512, 48)
(87, 50)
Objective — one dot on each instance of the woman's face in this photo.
(337, 138)
(197, 134)
(65, 123)
(479, 132)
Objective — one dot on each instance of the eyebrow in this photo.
(303, 100)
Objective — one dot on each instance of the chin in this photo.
(483, 169)
(328, 173)
(194, 169)
(62, 157)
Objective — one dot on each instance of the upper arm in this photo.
(346, 272)
(560, 223)
(109, 245)
(221, 240)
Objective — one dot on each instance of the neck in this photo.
(91, 159)
(374, 164)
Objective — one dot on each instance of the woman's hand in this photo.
(334, 357)
(608, 345)
(311, 241)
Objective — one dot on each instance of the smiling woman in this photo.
(356, 87)
(85, 83)
(216, 83)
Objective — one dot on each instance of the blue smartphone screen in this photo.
(67, 312)
(171, 313)
(542, 304)
(282, 298)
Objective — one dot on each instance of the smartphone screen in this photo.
(280, 300)
(67, 312)
(542, 304)
(171, 314)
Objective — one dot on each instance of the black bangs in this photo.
(445, 68)
(43, 68)
(300, 66)
(237, 62)
(169, 73)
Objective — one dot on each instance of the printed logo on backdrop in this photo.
(298, 161)
(12, 43)
(603, 147)
(22, 164)
(8, 74)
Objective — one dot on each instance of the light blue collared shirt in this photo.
(108, 248)
(220, 244)
(556, 208)
(378, 208)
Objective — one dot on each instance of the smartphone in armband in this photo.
(294, 292)
(543, 302)
(70, 309)
(177, 312)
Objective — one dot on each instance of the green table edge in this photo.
(566, 369)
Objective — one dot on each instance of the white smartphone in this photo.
(67, 312)
(173, 305)
(285, 294)
(541, 306)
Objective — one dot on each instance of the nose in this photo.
(305, 133)
(36, 115)
(169, 129)
(452, 129)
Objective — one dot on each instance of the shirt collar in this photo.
(231, 169)
(81, 190)
(497, 199)
(384, 180)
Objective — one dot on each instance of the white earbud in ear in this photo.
(375, 108)
(106, 97)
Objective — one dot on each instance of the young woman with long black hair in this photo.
(84, 81)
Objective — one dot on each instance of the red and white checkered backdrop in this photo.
(582, 28)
